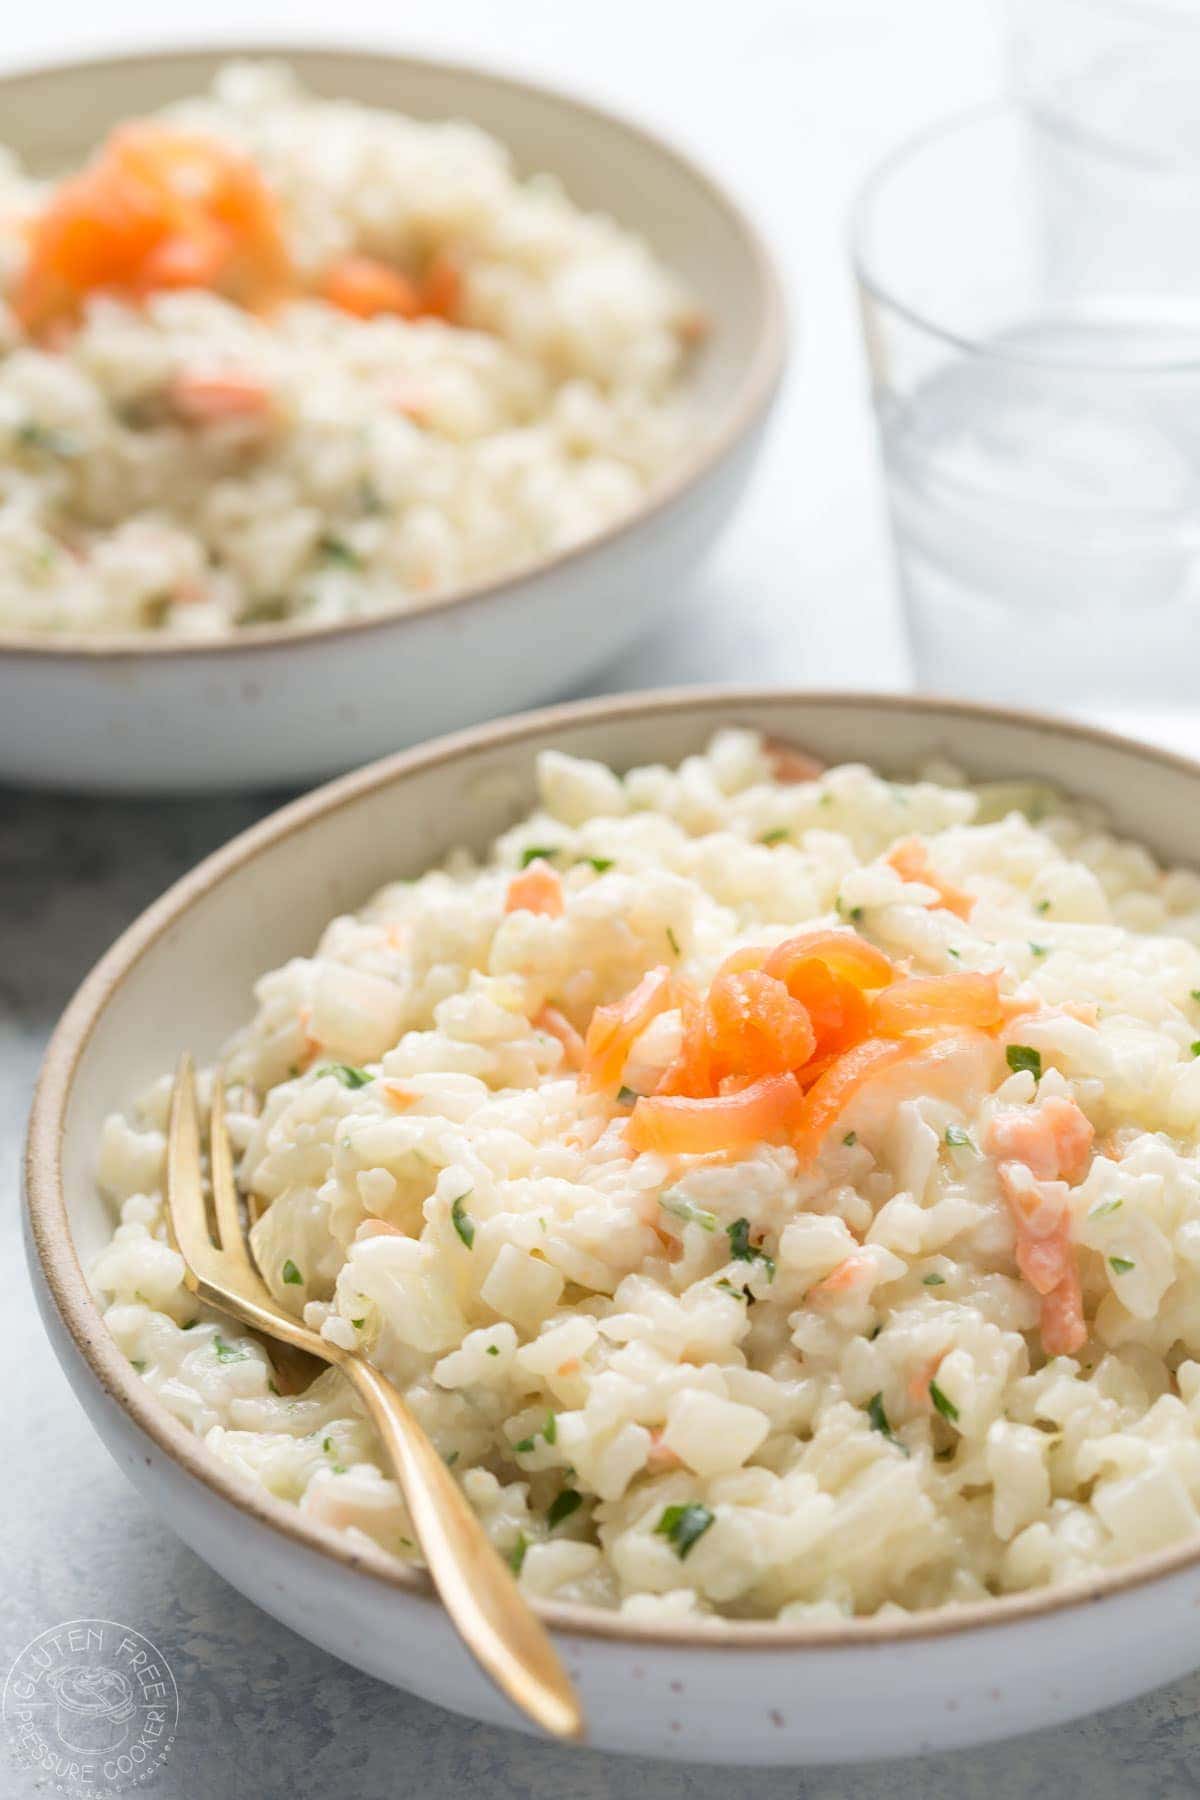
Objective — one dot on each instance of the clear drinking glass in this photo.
(1039, 413)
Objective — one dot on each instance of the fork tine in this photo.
(187, 1221)
(224, 1188)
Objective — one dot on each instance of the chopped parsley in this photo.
(524, 1446)
(1024, 1056)
(627, 1096)
(951, 951)
(1042, 908)
(32, 436)
(228, 1353)
(1196, 1047)
(879, 1422)
(347, 1074)
(336, 550)
(1105, 1207)
(550, 1429)
(850, 1139)
(742, 1293)
(742, 1250)
(452, 1459)
(684, 1526)
(139, 1365)
(673, 941)
(563, 1506)
(358, 1324)
(327, 1446)
(516, 1556)
(538, 853)
(462, 1221)
(680, 1207)
(1038, 949)
(933, 1279)
(944, 1405)
(601, 864)
(1196, 993)
(775, 837)
(492, 1350)
(958, 1139)
(1121, 1265)
(291, 1274)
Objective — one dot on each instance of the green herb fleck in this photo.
(452, 1459)
(524, 1446)
(272, 1389)
(291, 1274)
(1196, 1047)
(684, 1526)
(1105, 1207)
(1196, 993)
(516, 1556)
(1042, 908)
(673, 941)
(951, 951)
(680, 1207)
(347, 1074)
(337, 550)
(944, 1405)
(462, 1221)
(742, 1293)
(327, 1446)
(850, 1139)
(228, 1353)
(1024, 1056)
(358, 1324)
(742, 1250)
(879, 1422)
(958, 1139)
(567, 1502)
(933, 1280)
(627, 1096)
(601, 864)
(493, 1350)
(775, 837)
(32, 436)
(538, 853)
(1121, 1265)
(1039, 949)
(138, 1365)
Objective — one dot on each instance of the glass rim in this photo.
(868, 195)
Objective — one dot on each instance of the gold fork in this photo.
(484, 1603)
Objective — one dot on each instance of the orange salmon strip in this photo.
(925, 1000)
(830, 1095)
(536, 889)
(677, 1126)
(614, 1029)
(910, 859)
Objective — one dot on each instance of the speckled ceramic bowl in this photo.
(145, 713)
(741, 1693)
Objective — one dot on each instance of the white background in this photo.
(789, 101)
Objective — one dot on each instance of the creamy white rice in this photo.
(588, 1327)
(399, 458)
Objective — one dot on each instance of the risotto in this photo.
(775, 1190)
(268, 357)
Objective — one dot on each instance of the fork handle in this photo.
(493, 1620)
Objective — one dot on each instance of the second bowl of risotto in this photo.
(759, 1137)
(344, 398)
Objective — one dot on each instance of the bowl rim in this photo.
(754, 391)
(68, 1290)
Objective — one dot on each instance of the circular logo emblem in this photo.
(92, 1706)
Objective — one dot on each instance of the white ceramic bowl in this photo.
(147, 714)
(731, 1692)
